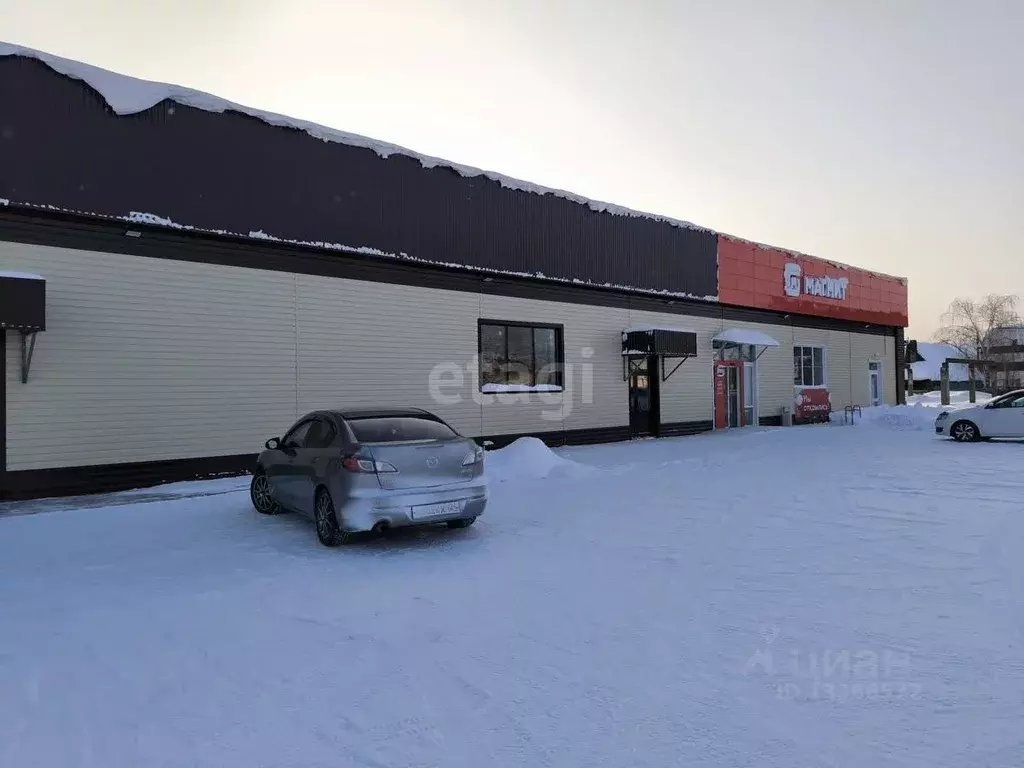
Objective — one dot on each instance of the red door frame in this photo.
(721, 410)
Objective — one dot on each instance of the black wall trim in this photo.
(67, 230)
(680, 428)
(770, 421)
(3, 413)
(107, 478)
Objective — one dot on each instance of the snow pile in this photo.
(494, 389)
(918, 414)
(902, 417)
(528, 458)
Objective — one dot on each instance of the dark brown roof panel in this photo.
(61, 145)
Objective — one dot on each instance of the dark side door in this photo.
(644, 396)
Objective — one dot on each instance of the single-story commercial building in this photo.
(181, 278)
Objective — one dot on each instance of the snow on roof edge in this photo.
(129, 95)
(746, 336)
(645, 328)
(152, 220)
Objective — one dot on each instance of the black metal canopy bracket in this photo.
(666, 376)
(28, 348)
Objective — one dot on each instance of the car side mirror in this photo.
(273, 443)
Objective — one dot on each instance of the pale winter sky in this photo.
(889, 134)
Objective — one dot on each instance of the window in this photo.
(297, 436)
(520, 355)
(1009, 402)
(320, 435)
(809, 366)
(397, 429)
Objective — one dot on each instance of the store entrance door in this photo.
(729, 400)
(875, 383)
(644, 408)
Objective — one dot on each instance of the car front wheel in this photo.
(262, 499)
(965, 432)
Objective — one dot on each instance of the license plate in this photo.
(437, 510)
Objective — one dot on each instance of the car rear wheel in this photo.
(327, 528)
(965, 432)
(463, 523)
(262, 499)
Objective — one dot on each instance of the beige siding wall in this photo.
(688, 395)
(361, 343)
(774, 370)
(148, 359)
(145, 359)
(889, 371)
(839, 381)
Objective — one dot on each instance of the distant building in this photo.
(1005, 346)
(927, 369)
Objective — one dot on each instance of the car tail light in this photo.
(363, 464)
(473, 457)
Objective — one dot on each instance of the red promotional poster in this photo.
(812, 405)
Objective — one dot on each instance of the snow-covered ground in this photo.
(819, 596)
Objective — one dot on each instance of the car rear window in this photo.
(396, 429)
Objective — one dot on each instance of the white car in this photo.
(1000, 417)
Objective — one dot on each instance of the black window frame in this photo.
(824, 366)
(559, 330)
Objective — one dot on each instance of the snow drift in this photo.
(528, 458)
(918, 415)
(904, 417)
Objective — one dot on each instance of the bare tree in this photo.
(968, 324)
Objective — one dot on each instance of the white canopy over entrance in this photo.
(744, 336)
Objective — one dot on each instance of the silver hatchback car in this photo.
(371, 469)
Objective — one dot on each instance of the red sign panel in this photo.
(812, 405)
(751, 275)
